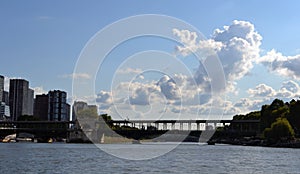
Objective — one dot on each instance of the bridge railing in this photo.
(171, 124)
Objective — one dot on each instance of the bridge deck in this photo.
(183, 121)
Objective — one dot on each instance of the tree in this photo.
(255, 115)
(269, 113)
(107, 119)
(294, 115)
(277, 103)
(279, 129)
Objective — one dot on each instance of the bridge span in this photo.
(48, 129)
(185, 124)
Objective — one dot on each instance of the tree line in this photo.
(278, 120)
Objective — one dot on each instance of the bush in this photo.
(281, 128)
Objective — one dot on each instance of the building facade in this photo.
(4, 108)
(5, 97)
(20, 98)
(41, 106)
(58, 108)
(52, 106)
(4, 111)
(79, 106)
(1, 87)
(30, 100)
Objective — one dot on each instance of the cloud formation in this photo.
(168, 88)
(129, 70)
(39, 90)
(289, 89)
(262, 90)
(287, 66)
(104, 100)
(238, 49)
(76, 76)
(104, 97)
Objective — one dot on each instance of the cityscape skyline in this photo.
(258, 49)
(19, 101)
(110, 86)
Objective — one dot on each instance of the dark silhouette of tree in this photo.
(294, 115)
(250, 116)
(269, 113)
(107, 119)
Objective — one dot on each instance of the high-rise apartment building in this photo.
(4, 108)
(52, 106)
(5, 97)
(41, 106)
(4, 111)
(1, 87)
(58, 110)
(3, 94)
(20, 98)
(30, 100)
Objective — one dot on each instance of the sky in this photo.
(256, 43)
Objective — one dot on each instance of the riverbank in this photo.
(258, 142)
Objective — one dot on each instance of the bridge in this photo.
(63, 129)
(40, 129)
(242, 125)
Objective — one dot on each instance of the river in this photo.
(186, 158)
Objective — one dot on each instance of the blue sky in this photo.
(41, 41)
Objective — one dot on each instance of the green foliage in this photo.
(282, 111)
(269, 113)
(294, 114)
(279, 130)
(124, 127)
(250, 116)
(106, 118)
(277, 103)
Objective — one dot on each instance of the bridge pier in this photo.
(173, 126)
(157, 125)
(165, 126)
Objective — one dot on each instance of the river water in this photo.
(186, 158)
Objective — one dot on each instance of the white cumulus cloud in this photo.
(168, 88)
(237, 47)
(103, 97)
(262, 90)
(287, 66)
(39, 90)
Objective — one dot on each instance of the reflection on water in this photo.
(186, 158)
